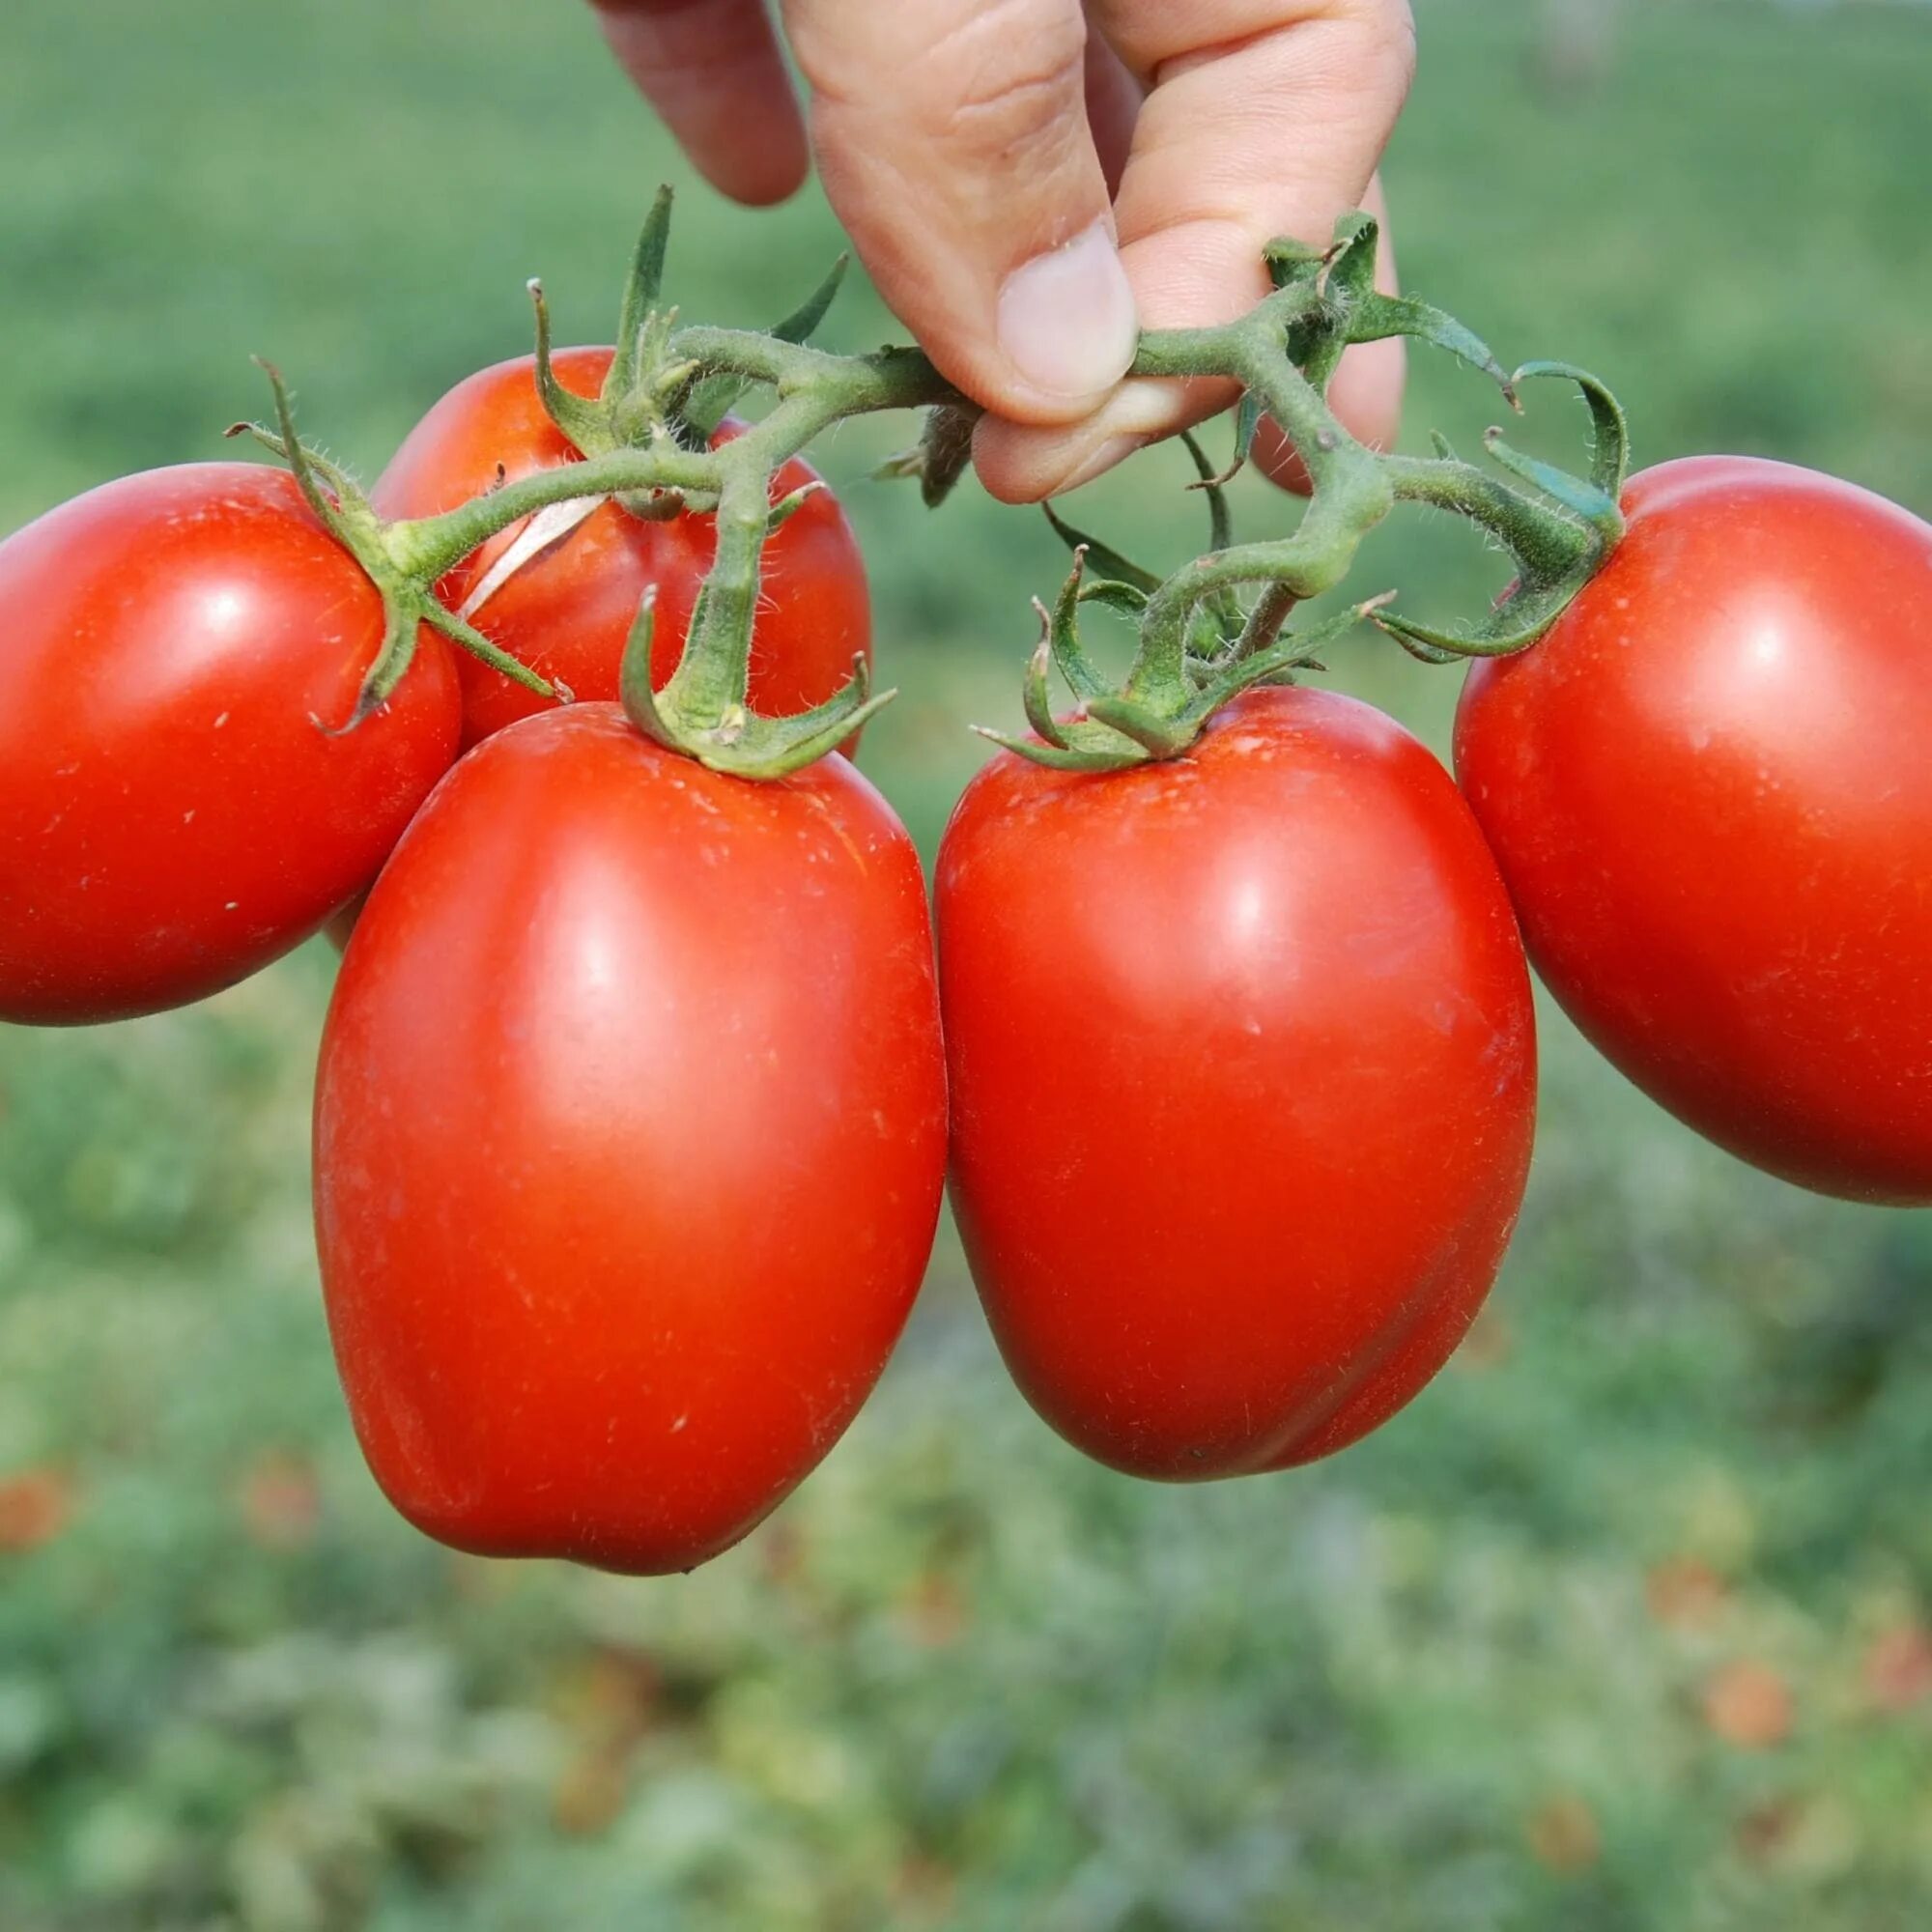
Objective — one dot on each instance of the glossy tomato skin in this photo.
(174, 811)
(568, 611)
(1710, 791)
(630, 1140)
(1243, 1071)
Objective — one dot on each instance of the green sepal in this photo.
(740, 742)
(1376, 317)
(1609, 450)
(1351, 255)
(338, 479)
(583, 423)
(1085, 757)
(347, 515)
(1128, 599)
(1161, 736)
(460, 631)
(1082, 676)
(1036, 691)
(1074, 744)
(1350, 280)
(1290, 262)
(1581, 499)
(791, 503)
(1511, 627)
(1104, 561)
(642, 288)
(801, 324)
(392, 662)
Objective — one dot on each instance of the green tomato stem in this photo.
(641, 444)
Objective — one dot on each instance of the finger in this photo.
(1264, 118)
(953, 140)
(1366, 392)
(1114, 100)
(712, 69)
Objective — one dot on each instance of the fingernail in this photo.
(1116, 449)
(1066, 319)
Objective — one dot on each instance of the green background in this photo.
(1623, 1625)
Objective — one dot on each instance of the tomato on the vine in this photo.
(1243, 1064)
(179, 803)
(630, 1140)
(567, 611)
(1710, 790)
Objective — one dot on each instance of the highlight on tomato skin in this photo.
(567, 610)
(177, 806)
(1710, 792)
(630, 1141)
(1243, 1068)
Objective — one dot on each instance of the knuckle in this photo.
(994, 88)
(996, 76)
(1388, 31)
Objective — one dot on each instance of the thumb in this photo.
(1263, 117)
(952, 139)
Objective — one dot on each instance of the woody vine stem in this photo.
(1210, 629)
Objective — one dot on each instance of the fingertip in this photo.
(713, 72)
(1067, 324)
(1026, 463)
(757, 175)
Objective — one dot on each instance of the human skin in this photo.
(1030, 182)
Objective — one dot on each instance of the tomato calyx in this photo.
(408, 601)
(1166, 703)
(637, 404)
(723, 732)
(654, 392)
(1548, 575)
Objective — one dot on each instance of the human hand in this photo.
(1030, 181)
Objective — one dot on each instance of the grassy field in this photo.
(1628, 1624)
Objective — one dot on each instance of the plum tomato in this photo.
(1242, 1062)
(177, 803)
(1710, 791)
(630, 1141)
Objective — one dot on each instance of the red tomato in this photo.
(1243, 1083)
(1710, 790)
(567, 612)
(630, 1138)
(340, 926)
(174, 809)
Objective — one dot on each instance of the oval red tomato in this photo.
(1710, 790)
(567, 611)
(175, 810)
(1243, 1064)
(630, 1139)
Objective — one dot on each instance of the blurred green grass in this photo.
(1623, 1624)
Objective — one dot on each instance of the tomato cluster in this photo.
(641, 1081)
